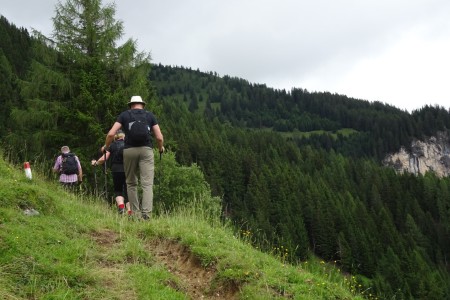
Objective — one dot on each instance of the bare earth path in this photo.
(197, 281)
(194, 280)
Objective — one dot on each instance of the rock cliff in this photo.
(432, 154)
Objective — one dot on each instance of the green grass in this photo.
(79, 248)
(306, 134)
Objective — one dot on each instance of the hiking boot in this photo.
(145, 217)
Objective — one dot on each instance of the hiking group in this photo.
(129, 145)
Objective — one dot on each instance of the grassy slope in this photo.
(78, 248)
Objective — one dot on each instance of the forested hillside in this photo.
(294, 168)
(380, 128)
(319, 188)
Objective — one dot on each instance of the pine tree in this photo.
(6, 92)
(79, 81)
(87, 34)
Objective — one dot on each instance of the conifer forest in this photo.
(297, 169)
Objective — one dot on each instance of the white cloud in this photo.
(409, 74)
(391, 51)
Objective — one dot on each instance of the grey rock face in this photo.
(432, 154)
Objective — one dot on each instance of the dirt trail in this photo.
(194, 280)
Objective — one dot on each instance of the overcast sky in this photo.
(393, 51)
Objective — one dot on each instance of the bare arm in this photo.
(101, 159)
(80, 170)
(112, 132)
(57, 166)
(159, 137)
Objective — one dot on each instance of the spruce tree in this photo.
(82, 78)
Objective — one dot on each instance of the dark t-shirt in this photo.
(125, 118)
(116, 156)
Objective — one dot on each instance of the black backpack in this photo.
(69, 164)
(116, 150)
(138, 130)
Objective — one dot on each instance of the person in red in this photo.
(139, 126)
(68, 166)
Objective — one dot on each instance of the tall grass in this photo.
(78, 247)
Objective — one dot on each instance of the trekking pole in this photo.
(80, 187)
(106, 183)
(159, 177)
(95, 181)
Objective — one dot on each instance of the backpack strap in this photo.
(132, 118)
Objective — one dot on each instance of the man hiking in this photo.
(138, 159)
